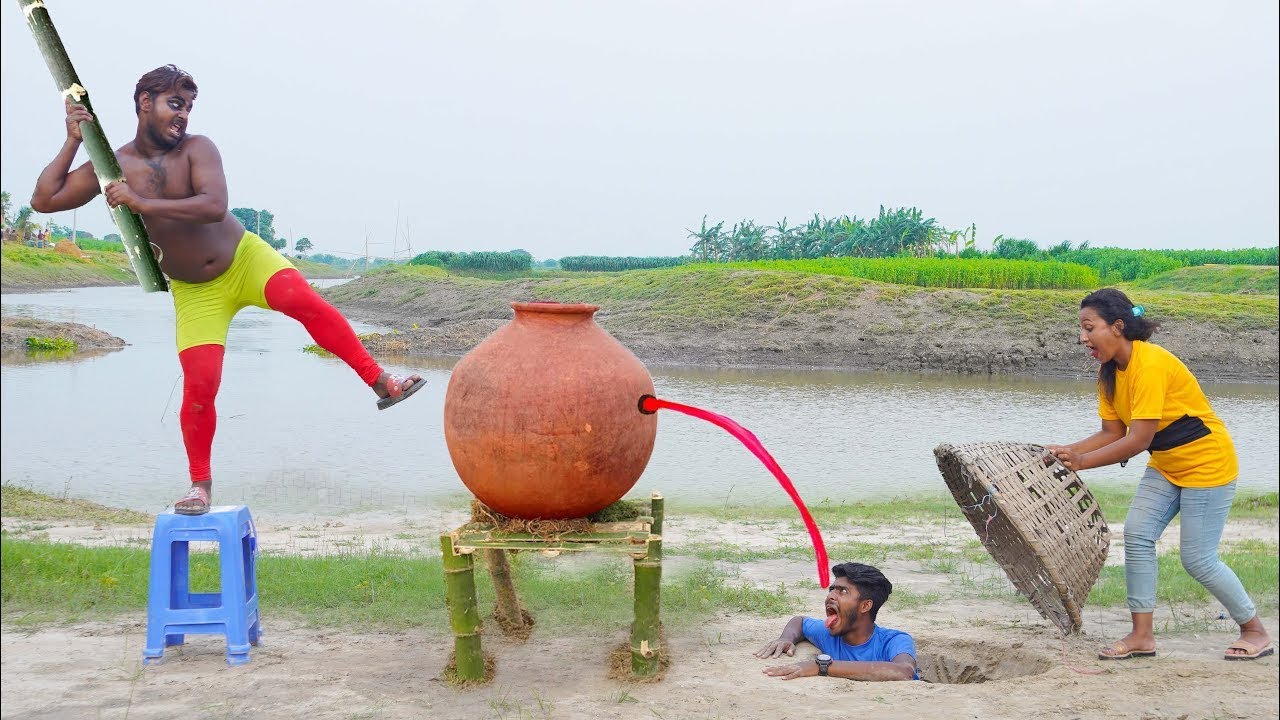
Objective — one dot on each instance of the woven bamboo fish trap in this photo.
(1040, 523)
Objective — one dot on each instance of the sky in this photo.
(610, 128)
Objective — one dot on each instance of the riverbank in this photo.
(742, 318)
(28, 269)
(368, 648)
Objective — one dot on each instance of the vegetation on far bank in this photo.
(684, 297)
(30, 267)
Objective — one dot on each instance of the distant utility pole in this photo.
(258, 232)
(73, 226)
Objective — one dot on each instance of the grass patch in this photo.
(20, 502)
(59, 582)
(1243, 279)
(29, 267)
(1253, 561)
(944, 272)
(51, 344)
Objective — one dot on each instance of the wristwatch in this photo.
(824, 662)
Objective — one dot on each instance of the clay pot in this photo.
(541, 418)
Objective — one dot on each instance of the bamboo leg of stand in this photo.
(645, 648)
(460, 592)
(511, 616)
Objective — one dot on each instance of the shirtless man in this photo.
(215, 266)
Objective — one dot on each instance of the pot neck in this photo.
(552, 312)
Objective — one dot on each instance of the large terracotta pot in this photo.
(541, 418)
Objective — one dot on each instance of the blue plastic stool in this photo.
(174, 611)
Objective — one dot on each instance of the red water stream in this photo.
(650, 404)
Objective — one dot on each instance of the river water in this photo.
(299, 433)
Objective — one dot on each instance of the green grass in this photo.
(943, 273)
(697, 297)
(45, 582)
(51, 344)
(1235, 279)
(103, 245)
(1254, 562)
(21, 502)
(24, 266)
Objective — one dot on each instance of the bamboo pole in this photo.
(646, 651)
(512, 618)
(460, 594)
(657, 509)
(136, 242)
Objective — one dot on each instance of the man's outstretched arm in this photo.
(56, 188)
(902, 667)
(207, 205)
(786, 642)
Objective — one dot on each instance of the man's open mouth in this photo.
(833, 617)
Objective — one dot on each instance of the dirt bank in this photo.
(16, 330)
(828, 323)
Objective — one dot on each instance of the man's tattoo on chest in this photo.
(159, 175)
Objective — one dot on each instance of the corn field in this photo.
(600, 263)
(483, 261)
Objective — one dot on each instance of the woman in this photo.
(1148, 400)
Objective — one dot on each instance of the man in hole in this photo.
(849, 642)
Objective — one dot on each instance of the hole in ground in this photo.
(959, 661)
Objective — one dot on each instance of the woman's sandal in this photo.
(1251, 651)
(1120, 651)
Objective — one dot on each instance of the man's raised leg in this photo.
(201, 376)
(290, 293)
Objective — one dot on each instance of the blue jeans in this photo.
(1204, 514)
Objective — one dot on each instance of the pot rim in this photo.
(555, 308)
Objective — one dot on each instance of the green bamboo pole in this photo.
(460, 593)
(657, 510)
(136, 242)
(645, 649)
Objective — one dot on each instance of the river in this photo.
(300, 433)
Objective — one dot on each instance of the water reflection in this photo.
(300, 433)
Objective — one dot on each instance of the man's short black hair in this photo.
(162, 79)
(871, 583)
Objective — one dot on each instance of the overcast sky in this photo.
(610, 128)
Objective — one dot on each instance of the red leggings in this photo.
(287, 292)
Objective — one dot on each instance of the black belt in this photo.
(1178, 433)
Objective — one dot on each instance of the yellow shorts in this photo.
(204, 310)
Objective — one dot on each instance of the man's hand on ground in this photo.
(777, 648)
(791, 672)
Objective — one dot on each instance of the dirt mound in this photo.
(66, 247)
(16, 330)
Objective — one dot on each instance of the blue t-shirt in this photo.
(884, 645)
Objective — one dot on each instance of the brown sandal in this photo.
(197, 502)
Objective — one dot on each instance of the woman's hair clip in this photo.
(1138, 311)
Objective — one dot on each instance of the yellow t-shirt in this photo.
(1157, 386)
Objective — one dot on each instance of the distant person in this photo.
(1149, 401)
(216, 267)
(850, 643)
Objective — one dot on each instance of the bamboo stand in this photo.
(641, 539)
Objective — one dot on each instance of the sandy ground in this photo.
(93, 670)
